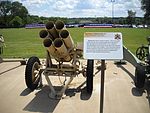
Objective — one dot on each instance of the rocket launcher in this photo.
(57, 40)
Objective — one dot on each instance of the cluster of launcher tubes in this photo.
(57, 41)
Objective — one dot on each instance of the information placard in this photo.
(103, 45)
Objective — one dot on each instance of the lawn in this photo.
(23, 43)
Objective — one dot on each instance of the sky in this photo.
(82, 8)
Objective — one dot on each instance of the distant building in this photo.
(35, 25)
(92, 25)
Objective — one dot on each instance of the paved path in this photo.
(121, 96)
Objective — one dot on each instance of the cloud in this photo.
(84, 5)
(62, 6)
(65, 4)
(81, 8)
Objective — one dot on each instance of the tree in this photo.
(5, 10)
(146, 8)
(9, 10)
(18, 10)
(35, 19)
(16, 22)
(131, 17)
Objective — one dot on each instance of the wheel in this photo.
(32, 73)
(89, 75)
(141, 53)
(140, 76)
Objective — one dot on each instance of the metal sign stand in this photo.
(103, 67)
(103, 46)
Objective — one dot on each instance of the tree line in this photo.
(14, 14)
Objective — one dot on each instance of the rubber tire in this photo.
(140, 76)
(28, 73)
(89, 75)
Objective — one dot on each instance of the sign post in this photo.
(102, 86)
(103, 46)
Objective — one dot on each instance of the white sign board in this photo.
(103, 45)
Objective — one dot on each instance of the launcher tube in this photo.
(51, 29)
(64, 34)
(62, 51)
(48, 44)
(59, 25)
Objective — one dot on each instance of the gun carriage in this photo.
(142, 71)
(60, 48)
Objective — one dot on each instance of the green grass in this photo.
(26, 42)
(132, 37)
(22, 43)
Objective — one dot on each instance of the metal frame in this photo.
(71, 69)
(130, 57)
(64, 69)
(54, 94)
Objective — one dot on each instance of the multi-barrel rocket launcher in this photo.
(60, 48)
(58, 41)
